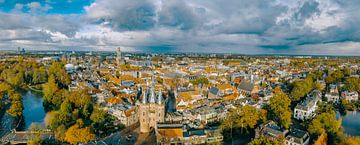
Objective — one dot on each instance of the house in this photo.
(297, 137)
(271, 130)
(186, 99)
(127, 116)
(169, 134)
(333, 94)
(307, 107)
(350, 95)
(223, 91)
(248, 88)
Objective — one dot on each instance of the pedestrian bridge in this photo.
(22, 137)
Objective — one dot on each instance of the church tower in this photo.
(152, 109)
(118, 56)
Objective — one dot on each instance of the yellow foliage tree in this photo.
(75, 135)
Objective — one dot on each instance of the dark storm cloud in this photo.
(253, 26)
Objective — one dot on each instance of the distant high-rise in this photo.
(118, 56)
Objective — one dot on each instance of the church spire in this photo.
(159, 101)
(144, 97)
(152, 91)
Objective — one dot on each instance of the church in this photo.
(151, 109)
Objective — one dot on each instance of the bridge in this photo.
(22, 137)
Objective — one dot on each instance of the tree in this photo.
(353, 84)
(248, 116)
(52, 120)
(201, 80)
(229, 123)
(243, 117)
(60, 133)
(325, 122)
(301, 88)
(279, 108)
(75, 135)
(355, 140)
(98, 116)
(264, 141)
(58, 71)
(39, 75)
(49, 89)
(15, 109)
(36, 130)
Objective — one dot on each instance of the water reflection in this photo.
(351, 122)
(33, 108)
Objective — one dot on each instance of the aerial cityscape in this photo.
(179, 72)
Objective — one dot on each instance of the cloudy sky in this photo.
(225, 26)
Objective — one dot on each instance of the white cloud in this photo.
(240, 26)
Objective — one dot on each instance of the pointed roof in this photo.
(144, 98)
(159, 101)
(152, 95)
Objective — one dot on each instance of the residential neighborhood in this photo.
(205, 99)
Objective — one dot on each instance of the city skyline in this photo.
(310, 27)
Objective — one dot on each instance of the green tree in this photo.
(280, 110)
(98, 115)
(201, 80)
(301, 88)
(39, 75)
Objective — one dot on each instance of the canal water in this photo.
(350, 122)
(33, 108)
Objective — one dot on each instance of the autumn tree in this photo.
(280, 110)
(39, 75)
(301, 88)
(352, 140)
(76, 135)
(353, 84)
(201, 80)
(60, 133)
(325, 122)
(49, 89)
(16, 108)
(229, 123)
(247, 117)
(98, 115)
(264, 141)
(244, 117)
(60, 75)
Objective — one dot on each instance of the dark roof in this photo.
(194, 132)
(214, 90)
(167, 125)
(298, 136)
(247, 86)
